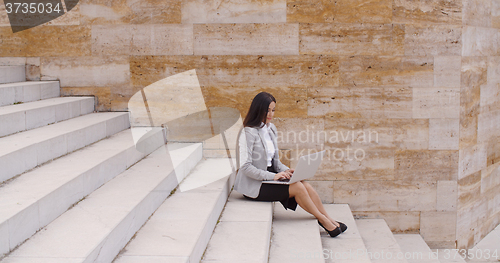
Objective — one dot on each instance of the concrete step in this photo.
(295, 237)
(379, 241)
(348, 246)
(21, 92)
(243, 233)
(415, 249)
(31, 201)
(23, 151)
(180, 229)
(9, 74)
(488, 249)
(31, 115)
(97, 228)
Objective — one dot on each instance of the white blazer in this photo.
(251, 160)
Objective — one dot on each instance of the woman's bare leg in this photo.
(299, 191)
(317, 201)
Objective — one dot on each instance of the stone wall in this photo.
(421, 77)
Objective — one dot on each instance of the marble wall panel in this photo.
(473, 76)
(166, 39)
(343, 11)
(324, 189)
(426, 165)
(363, 71)
(375, 134)
(435, 40)
(480, 41)
(488, 126)
(469, 219)
(347, 163)
(447, 194)
(476, 13)
(490, 91)
(98, 12)
(386, 195)
(43, 41)
(495, 13)
(471, 160)
(493, 150)
(427, 12)
(447, 71)
(436, 103)
(469, 189)
(363, 102)
(234, 11)
(399, 222)
(102, 95)
(444, 134)
(246, 39)
(352, 39)
(232, 71)
(291, 102)
(33, 69)
(87, 71)
(490, 178)
(438, 226)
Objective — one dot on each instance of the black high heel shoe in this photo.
(335, 232)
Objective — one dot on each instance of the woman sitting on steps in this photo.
(258, 161)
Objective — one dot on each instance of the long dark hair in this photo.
(258, 110)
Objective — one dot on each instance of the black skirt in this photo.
(276, 192)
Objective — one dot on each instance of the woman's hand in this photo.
(283, 175)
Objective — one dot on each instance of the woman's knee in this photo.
(297, 189)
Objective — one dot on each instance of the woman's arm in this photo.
(246, 142)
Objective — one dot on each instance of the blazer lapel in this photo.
(262, 139)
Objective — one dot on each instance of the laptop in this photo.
(306, 168)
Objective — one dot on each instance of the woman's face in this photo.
(270, 112)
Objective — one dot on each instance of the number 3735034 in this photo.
(32, 8)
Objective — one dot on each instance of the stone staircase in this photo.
(77, 186)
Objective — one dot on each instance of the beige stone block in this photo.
(426, 165)
(480, 41)
(436, 103)
(438, 226)
(12, 61)
(372, 134)
(399, 222)
(142, 40)
(227, 72)
(444, 134)
(495, 13)
(98, 12)
(474, 75)
(435, 40)
(447, 194)
(343, 11)
(488, 125)
(387, 102)
(324, 189)
(490, 178)
(300, 133)
(490, 92)
(102, 95)
(246, 39)
(469, 189)
(234, 11)
(447, 71)
(87, 71)
(347, 163)
(476, 13)
(351, 39)
(471, 160)
(386, 195)
(291, 102)
(45, 41)
(362, 71)
(469, 219)
(427, 12)
(493, 150)
(32, 69)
